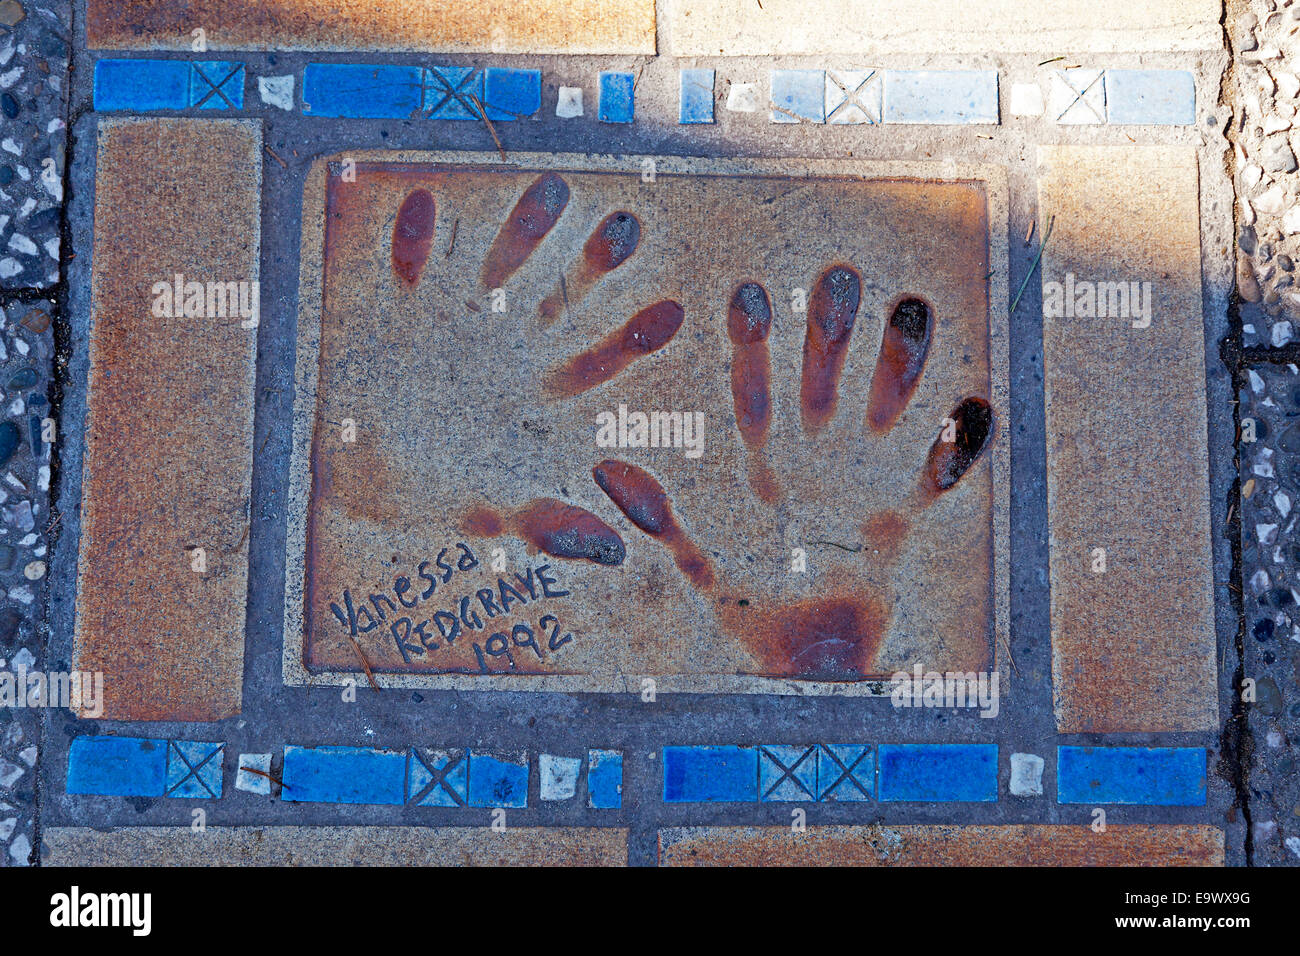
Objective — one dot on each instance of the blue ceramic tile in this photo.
(801, 92)
(846, 772)
(941, 96)
(117, 766)
(696, 96)
(511, 94)
(450, 92)
(359, 91)
(1155, 776)
(142, 85)
(787, 773)
(935, 773)
(216, 85)
(438, 778)
(710, 774)
(343, 775)
(498, 780)
(617, 98)
(194, 769)
(605, 779)
(1151, 97)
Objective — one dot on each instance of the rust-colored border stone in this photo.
(435, 26)
(168, 465)
(976, 845)
(1134, 643)
(337, 846)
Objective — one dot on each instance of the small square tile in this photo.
(276, 91)
(437, 778)
(846, 772)
(1077, 97)
(1026, 99)
(798, 95)
(216, 85)
(254, 782)
(450, 91)
(559, 776)
(787, 773)
(696, 96)
(617, 98)
(605, 779)
(1026, 775)
(498, 780)
(194, 769)
(853, 97)
(744, 98)
(569, 104)
(1150, 97)
(511, 94)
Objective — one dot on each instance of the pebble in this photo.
(20, 850)
(1281, 159)
(34, 571)
(11, 13)
(1271, 202)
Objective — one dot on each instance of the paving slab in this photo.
(1132, 600)
(163, 567)
(336, 846)
(929, 27)
(472, 507)
(438, 26)
(934, 845)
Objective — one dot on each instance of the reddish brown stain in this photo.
(831, 313)
(553, 527)
(534, 216)
(483, 523)
(413, 235)
(832, 638)
(647, 331)
(885, 532)
(614, 240)
(900, 363)
(763, 480)
(639, 496)
(607, 248)
(948, 461)
(749, 320)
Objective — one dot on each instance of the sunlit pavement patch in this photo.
(477, 533)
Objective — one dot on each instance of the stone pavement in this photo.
(593, 433)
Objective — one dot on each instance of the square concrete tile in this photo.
(464, 520)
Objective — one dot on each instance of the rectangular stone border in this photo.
(310, 287)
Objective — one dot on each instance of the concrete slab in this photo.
(336, 846)
(1127, 483)
(457, 519)
(930, 27)
(437, 26)
(932, 845)
(163, 567)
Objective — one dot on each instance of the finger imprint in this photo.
(831, 313)
(413, 236)
(900, 363)
(648, 331)
(608, 247)
(948, 461)
(552, 527)
(534, 216)
(645, 503)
